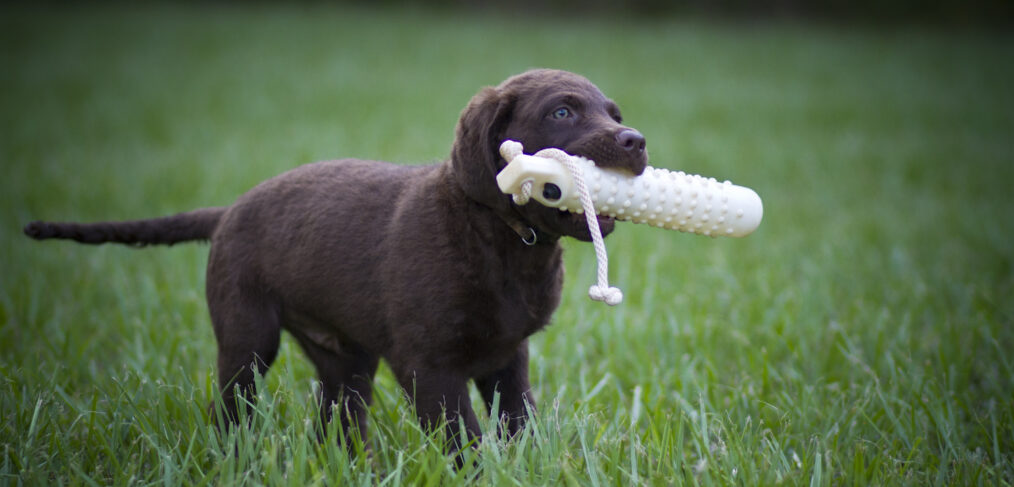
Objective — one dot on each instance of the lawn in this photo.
(862, 336)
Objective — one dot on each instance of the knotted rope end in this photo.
(609, 295)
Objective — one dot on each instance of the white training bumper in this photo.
(658, 197)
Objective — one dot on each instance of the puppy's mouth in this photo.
(579, 223)
(606, 224)
(607, 156)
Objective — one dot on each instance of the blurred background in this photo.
(941, 12)
(865, 327)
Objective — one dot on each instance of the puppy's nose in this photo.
(631, 140)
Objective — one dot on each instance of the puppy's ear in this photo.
(475, 157)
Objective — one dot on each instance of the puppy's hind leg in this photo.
(346, 374)
(248, 330)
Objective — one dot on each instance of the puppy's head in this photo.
(542, 109)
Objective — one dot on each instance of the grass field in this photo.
(862, 336)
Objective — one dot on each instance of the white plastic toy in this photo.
(658, 197)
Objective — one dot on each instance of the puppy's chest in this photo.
(529, 303)
(498, 318)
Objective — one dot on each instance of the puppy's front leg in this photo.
(439, 394)
(515, 391)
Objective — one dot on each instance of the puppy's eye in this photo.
(560, 113)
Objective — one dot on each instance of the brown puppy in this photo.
(431, 268)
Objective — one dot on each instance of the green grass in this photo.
(861, 337)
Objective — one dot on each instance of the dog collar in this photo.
(530, 234)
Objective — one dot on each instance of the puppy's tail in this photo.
(192, 225)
